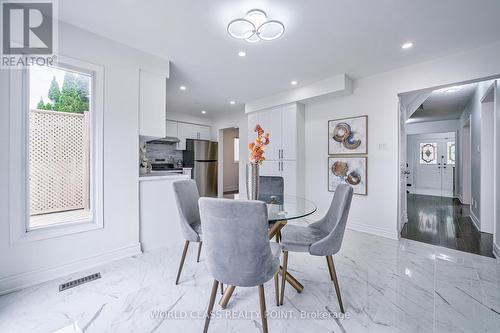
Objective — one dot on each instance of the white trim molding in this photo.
(496, 251)
(475, 221)
(18, 213)
(391, 234)
(23, 280)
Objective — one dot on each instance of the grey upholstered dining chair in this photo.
(321, 238)
(237, 247)
(186, 197)
(271, 186)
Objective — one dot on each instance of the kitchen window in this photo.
(61, 148)
(236, 150)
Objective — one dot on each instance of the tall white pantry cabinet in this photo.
(285, 154)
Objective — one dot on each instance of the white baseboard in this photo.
(373, 230)
(496, 251)
(475, 220)
(436, 193)
(23, 280)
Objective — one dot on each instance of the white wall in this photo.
(473, 111)
(376, 96)
(464, 186)
(442, 126)
(231, 168)
(487, 167)
(33, 262)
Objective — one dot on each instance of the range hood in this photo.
(169, 140)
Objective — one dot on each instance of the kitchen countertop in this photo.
(158, 175)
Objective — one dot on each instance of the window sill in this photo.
(57, 230)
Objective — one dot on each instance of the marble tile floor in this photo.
(387, 286)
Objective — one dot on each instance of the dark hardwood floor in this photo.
(445, 222)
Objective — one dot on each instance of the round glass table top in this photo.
(287, 207)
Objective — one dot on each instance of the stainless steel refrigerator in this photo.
(201, 155)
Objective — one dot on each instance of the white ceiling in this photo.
(322, 38)
(444, 104)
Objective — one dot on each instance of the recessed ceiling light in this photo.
(203, 111)
(407, 45)
(232, 102)
(242, 53)
(293, 82)
(182, 88)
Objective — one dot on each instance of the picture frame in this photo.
(348, 136)
(350, 170)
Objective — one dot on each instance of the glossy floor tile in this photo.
(387, 286)
(444, 222)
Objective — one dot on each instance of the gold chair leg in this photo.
(226, 297)
(263, 312)
(199, 252)
(182, 262)
(222, 288)
(211, 304)
(333, 277)
(283, 276)
(276, 289)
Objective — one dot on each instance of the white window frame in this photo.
(19, 215)
(236, 150)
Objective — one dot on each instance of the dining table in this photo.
(280, 210)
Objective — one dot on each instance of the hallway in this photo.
(444, 222)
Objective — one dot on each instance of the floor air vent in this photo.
(80, 281)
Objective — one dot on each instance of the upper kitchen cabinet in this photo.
(191, 131)
(152, 104)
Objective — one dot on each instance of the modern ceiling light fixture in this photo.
(203, 112)
(255, 27)
(232, 102)
(182, 88)
(242, 53)
(293, 82)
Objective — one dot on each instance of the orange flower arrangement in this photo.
(257, 148)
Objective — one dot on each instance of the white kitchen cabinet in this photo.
(285, 153)
(204, 132)
(289, 174)
(191, 131)
(152, 104)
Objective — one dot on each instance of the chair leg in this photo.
(283, 276)
(333, 277)
(199, 252)
(276, 289)
(222, 288)
(211, 305)
(182, 262)
(263, 312)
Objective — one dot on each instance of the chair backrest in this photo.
(186, 197)
(334, 222)
(271, 186)
(236, 241)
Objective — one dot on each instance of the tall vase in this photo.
(252, 181)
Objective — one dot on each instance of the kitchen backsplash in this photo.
(154, 150)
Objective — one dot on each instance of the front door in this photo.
(434, 166)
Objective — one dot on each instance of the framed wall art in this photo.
(348, 170)
(348, 136)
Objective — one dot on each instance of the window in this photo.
(450, 153)
(428, 153)
(59, 145)
(236, 150)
